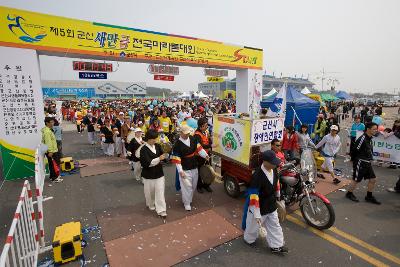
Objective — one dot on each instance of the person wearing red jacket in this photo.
(290, 142)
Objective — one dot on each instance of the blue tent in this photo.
(306, 108)
(343, 95)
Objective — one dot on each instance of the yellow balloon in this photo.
(383, 114)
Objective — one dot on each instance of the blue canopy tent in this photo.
(306, 108)
(343, 95)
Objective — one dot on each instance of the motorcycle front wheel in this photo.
(324, 216)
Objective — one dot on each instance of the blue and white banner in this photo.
(278, 106)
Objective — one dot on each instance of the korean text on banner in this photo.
(21, 111)
(232, 138)
(59, 35)
(265, 130)
(386, 149)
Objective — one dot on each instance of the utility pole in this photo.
(323, 76)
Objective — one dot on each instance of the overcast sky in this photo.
(355, 41)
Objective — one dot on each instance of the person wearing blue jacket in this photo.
(357, 126)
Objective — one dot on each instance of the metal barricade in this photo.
(40, 175)
(22, 243)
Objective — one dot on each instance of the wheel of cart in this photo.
(234, 176)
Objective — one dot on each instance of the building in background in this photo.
(227, 88)
(92, 89)
(299, 84)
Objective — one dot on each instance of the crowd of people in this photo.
(152, 132)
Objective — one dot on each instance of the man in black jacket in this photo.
(362, 167)
(261, 207)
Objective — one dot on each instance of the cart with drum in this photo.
(239, 141)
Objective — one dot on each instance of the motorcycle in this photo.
(298, 186)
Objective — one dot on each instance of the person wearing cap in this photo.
(118, 140)
(331, 146)
(184, 154)
(150, 157)
(261, 207)
(49, 139)
(132, 147)
(319, 129)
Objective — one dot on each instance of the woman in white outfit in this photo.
(331, 143)
(151, 156)
(134, 144)
(184, 154)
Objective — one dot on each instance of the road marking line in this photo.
(362, 243)
(365, 245)
(338, 243)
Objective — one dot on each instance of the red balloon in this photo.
(381, 128)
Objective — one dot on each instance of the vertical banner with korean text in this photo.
(21, 111)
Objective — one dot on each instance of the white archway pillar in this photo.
(248, 83)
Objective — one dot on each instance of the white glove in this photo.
(187, 182)
(103, 139)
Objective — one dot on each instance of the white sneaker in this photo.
(163, 214)
(152, 208)
(188, 207)
(57, 180)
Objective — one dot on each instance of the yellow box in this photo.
(67, 164)
(67, 242)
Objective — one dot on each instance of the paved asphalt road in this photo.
(363, 235)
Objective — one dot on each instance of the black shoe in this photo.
(200, 190)
(336, 181)
(208, 189)
(280, 250)
(372, 199)
(252, 245)
(352, 197)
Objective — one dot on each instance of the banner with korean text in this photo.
(265, 130)
(58, 35)
(21, 111)
(386, 149)
(231, 137)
